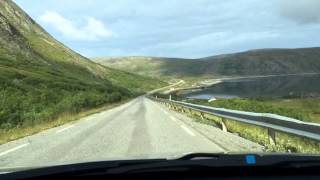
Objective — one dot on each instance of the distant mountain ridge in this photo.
(252, 62)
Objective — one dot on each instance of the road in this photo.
(167, 87)
(140, 128)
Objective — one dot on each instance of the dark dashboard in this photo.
(192, 166)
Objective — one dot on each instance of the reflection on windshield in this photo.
(146, 80)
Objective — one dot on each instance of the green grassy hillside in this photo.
(40, 78)
(254, 62)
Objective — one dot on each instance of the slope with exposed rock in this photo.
(40, 78)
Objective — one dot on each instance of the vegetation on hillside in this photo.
(41, 79)
(27, 98)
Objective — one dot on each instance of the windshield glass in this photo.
(128, 79)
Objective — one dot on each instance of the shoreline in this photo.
(211, 82)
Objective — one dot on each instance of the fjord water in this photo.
(293, 86)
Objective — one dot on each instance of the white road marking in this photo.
(61, 130)
(173, 119)
(14, 149)
(161, 109)
(187, 130)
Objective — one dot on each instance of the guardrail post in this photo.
(170, 97)
(178, 108)
(272, 136)
(202, 116)
(223, 125)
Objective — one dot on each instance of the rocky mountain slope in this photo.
(40, 78)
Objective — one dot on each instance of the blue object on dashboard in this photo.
(251, 159)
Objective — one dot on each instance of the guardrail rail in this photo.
(270, 121)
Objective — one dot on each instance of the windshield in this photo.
(127, 79)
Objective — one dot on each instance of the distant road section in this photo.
(167, 87)
(136, 130)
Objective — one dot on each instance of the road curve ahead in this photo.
(139, 129)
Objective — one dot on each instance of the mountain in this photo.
(40, 78)
(253, 62)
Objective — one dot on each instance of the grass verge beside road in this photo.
(20, 132)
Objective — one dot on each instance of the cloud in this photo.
(93, 30)
(302, 12)
(209, 44)
(178, 28)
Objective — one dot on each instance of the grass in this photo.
(248, 131)
(284, 142)
(33, 98)
(298, 144)
(20, 132)
(310, 106)
(29, 97)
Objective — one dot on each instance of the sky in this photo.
(177, 28)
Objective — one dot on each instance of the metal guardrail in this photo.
(270, 121)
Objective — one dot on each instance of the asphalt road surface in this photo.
(139, 129)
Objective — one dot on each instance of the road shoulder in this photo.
(228, 141)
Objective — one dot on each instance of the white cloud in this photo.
(93, 30)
